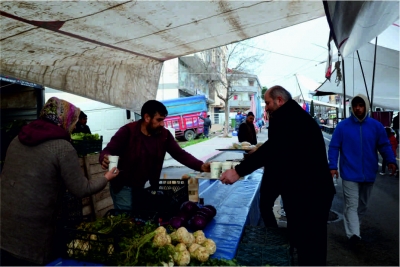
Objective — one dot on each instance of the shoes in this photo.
(282, 213)
(382, 173)
(354, 240)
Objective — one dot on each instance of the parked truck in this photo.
(183, 116)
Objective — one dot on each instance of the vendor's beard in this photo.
(154, 131)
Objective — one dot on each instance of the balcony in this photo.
(245, 89)
(239, 103)
(193, 61)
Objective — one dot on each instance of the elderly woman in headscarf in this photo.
(40, 164)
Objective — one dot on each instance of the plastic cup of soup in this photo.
(113, 162)
(215, 169)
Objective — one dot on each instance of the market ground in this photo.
(379, 228)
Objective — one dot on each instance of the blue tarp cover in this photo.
(237, 206)
(185, 105)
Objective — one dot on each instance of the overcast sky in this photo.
(302, 50)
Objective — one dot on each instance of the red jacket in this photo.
(136, 167)
(393, 142)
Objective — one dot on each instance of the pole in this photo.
(344, 90)
(299, 88)
(362, 71)
(373, 73)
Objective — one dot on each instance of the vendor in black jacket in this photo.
(247, 132)
(81, 126)
(296, 167)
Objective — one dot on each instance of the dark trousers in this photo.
(268, 194)
(206, 131)
(307, 225)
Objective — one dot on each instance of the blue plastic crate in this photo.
(69, 262)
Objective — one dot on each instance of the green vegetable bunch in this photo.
(85, 136)
(121, 240)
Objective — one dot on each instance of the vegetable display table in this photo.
(237, 206)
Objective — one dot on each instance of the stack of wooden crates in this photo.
(98, 204)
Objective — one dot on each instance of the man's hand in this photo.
(229, 177)
(392, 167)
(111, 174)
(252, 151)
(205, 167)
(105, 163)
(334, 172)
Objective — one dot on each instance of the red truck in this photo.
(183, 116)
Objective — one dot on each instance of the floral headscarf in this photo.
(61, 113)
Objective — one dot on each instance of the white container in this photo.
(215, 169)
(227, 165)
(113, 162)
(234, 164)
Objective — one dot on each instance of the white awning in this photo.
(112, 51)
(386, 90)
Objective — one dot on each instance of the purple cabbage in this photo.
(198, 222)
(209, 214)
(176, 222)
(189, 208)
(212, 208)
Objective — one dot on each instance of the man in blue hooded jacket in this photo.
(358, 140)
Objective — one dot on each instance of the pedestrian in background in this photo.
(393, 143)
(40, 165)
(396, 126)
(260, 124)
(247, 131)
(304, 183)
(206, 125)
(358, 139)
(81, 125)
(238, 120)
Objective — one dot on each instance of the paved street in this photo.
(380, 226)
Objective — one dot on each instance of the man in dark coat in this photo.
(81, 126)
(206, 125)
(296, 167)
(247, 132)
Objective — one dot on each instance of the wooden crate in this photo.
(97, 204)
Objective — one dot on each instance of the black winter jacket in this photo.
(294, 156)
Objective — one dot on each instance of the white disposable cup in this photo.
(234, 164)
(215, 169)
(227, 165)
(113, 162)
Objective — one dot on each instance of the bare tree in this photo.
(241, 59)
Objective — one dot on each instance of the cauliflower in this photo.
(193, 247)
(168, 238)
(198, 232)
(200, 239)
(182, 258)
(209, 244)
(192, 240)
(161, 230)
(160, 240)
(201, 254)
(181, 235)
(180, 247)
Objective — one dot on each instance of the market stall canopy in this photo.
(355, 23)
(386, 92)
(113, 51)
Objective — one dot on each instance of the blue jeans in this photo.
(123, 199)
(206, 130)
